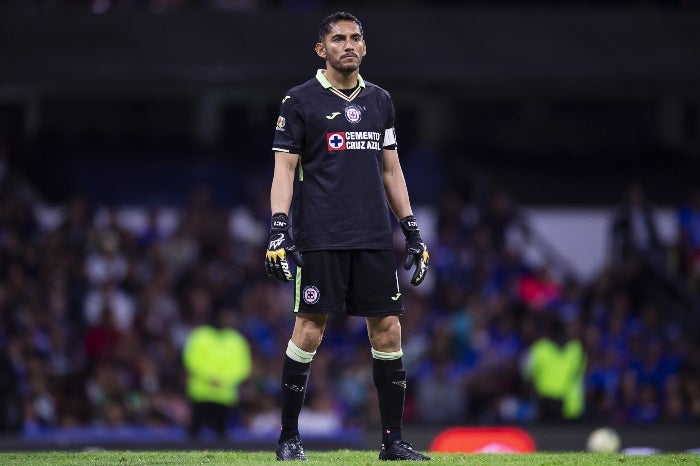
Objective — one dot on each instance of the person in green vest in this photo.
(217, 360)
(556, 365)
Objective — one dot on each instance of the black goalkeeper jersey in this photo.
(339, 200)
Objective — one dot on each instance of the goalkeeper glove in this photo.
(416, 250)
(280, 246)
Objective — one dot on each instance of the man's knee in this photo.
(384, 333)
(308, 332)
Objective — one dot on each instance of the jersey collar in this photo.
(321, 77)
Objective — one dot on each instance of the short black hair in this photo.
(331, 19)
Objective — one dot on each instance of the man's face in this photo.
(343, 47)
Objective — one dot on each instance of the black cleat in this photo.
(291, 450)
(401, 451)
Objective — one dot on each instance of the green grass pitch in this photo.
(341, 457)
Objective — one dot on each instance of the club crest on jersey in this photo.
(353, 113)
(336, 141)
(311, 295)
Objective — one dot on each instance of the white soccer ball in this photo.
(603, 439)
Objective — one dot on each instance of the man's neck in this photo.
(342, 80)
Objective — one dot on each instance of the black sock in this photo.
(390, 381)
(295, 377)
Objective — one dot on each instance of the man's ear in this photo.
(320, 50)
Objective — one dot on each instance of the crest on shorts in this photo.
(311, 294)
(353, 113)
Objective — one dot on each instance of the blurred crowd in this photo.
(95, 309)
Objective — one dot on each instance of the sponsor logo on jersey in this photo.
(311, 294)
(286, 97)
(353, 113)
(332, 115)
(336, 141)
(354, 140)
(280, 123)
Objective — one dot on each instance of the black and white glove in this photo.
(280, 246)
(416, 250)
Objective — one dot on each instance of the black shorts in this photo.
(357, 282)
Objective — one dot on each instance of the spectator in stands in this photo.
(441, 395)
(106, 262)
(321, 415)
(634, 230)
(674, 405)
(77, 225)
(690, 382)
(152, 233)
(10, 413)
(159, 306)
(602, 382)
(539, 289)
(687, 246)
(507, 226)
(101, 338)
(109, 298)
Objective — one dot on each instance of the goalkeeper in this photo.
(337, 170)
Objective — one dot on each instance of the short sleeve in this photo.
(389, 141)
(289, 130)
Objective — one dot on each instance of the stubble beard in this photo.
(345, 68)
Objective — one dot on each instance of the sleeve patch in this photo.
(389, 137)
